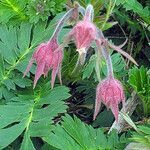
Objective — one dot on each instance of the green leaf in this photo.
(2, 69)
(89, 68)
(74, 134)
(41, 10)
(136, 7)
(27, 143)
(12, 9)
(29, 113)
(9, 134)
(104, 119)
(139, 79)
(143, 136)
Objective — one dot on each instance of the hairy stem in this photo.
(89, 13)
(109, 11)
(67, 17)
(107, 57)
(97, 68)
(62, 21)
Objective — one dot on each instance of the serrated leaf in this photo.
(142, 137)
(27, 113)
(9, 134)
(74, 134)
(21, 82)
(2, 69)
(27, 143)
(9, 84)
(139, 79)
(136, 7)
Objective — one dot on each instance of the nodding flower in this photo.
(47, 56)
(84, 32)
(109, 92)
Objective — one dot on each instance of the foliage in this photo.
(15, 11)
(69, 62)
(31, 115)
(140, 139)
(132, 15)
(118, 66)
(40, 9)
(139, 79)
(136, 7)
(74, 134)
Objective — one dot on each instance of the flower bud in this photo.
(47, 56)
(110, 92)
(83, 34)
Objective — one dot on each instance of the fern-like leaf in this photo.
(32, 113)
(74, 134)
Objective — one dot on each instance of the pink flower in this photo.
(110, 92)
(47, 56)
(83, 33)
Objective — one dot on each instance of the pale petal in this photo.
(115, 110)
(54, 73)
(97, 108)
(39, 72)
(28, 67)
(59, 75)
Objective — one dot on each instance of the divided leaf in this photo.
(33, 114)
(74, 134)
(139, 79)
(142, 137)
(137, 8)
(14, 11)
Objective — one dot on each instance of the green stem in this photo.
(16, 9)
(109, 11)
(36, 100)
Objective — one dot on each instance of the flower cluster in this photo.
(49, 56)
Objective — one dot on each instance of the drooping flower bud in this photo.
(109, 92)
(47, 56)
(84, 32)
